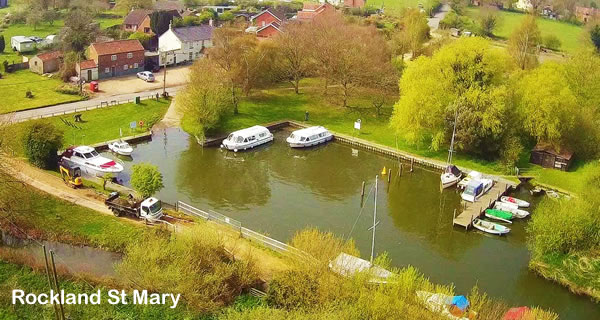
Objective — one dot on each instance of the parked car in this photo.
(146, 76)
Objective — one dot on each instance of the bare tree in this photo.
(294, 61)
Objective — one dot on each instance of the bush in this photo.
(146, 180)
(41, 143)
(552, 42)
(67, 89)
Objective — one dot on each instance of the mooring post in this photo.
(400, 172)
(453, 216)
(362, 193)
(412, 160)
(177, 206)
(389, 175)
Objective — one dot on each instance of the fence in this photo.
(244, 232)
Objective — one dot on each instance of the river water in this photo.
(278, 190)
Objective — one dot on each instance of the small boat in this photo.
(490, 227)
(247, 138)
(90, 162)
(120, 147)
(444, 304)
(451, 176)
(348, 266)
(476, 188)
(308, 137)
(499, 215)
(519, 202)
(473, 175)
(537, 191)
(552, 194)
(512, 208)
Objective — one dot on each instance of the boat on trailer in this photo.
(512, 200)
(90, 162)
(490, 227)
(247, 138)
(309, 137)
(512, 208)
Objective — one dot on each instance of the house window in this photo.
(125, 67)
(190, 56)
(106, 70)
(129, 55)
(113, 57)
(147, 30)
(35, 63)
(263, 23)
(135, 65)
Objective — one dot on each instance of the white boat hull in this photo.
(512, 208)
(490, 227)
(448, 180)
(296, 144)
(123, 152)
(235, 147)
(518, 202)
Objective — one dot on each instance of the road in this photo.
(434, 22)
(70, 107)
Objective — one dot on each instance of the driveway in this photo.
(434, 22)
(176, 76)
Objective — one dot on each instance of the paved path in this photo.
(69, 107)
(434, 22)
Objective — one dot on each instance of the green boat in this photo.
(495, 213)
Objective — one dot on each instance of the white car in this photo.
(146, 76)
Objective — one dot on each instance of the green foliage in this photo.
(226, 16)
(522, 44)
(552, 42)
(323, 246)
(595, 36)
(2, 43)
(79, 31)
(146, 179)
(193, 263)
(41, 144)
(143, 38)
(159, 21)
(67, 89)
(488, 21)
(413, 34)
(467, 78)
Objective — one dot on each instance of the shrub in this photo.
(146, 180)
(41, 143)
(67, 89)
(552, 42)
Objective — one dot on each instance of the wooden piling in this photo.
(400, 172)
(412, 161)
(60, 306)
(50, 281)
(362, 193)
(389, 175)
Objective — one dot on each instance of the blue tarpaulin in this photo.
(460, 302)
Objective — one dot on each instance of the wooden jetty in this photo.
(477, 209)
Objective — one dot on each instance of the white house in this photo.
(191, 42)
(22, 44)
(524, 5)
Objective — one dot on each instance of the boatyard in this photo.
(473, 211)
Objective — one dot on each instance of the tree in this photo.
(143, 38)
(49, 16)
(34, 17)
(488, 20)
(160, 21)
(79, 31)
(523, 43)
(41, 143)
(294, 61)
(205, 100)
(2, 43)
(595, 35)
(547, 104)
(413, 34)
(552, 42)
(128, 5)
(146, 180)
(465, 78)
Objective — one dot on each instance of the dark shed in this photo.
(545, 155)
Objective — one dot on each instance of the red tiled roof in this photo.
(306, 15)
(49, 55)
(87, 64)
(311, 6)
(118, 46)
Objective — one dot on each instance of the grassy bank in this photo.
(101, 124)
(570, 35)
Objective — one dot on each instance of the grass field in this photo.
(14, 86)
(102, 124)
(570, 35)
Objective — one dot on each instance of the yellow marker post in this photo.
(383, 172)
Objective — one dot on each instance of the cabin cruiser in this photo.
(90, 162)
(473, 175)
(451, 176)
(120, 147)
(476, 188)
(247, 138)
(307, 137)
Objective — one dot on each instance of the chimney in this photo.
(210, 22)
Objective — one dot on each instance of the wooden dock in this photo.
(476, 209)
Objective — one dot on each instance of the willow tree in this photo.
(523, 43)
(464, 80)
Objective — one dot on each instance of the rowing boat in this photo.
(490, 227)
(519, 202)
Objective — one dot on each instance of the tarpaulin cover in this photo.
(461, 302)
(515, 313)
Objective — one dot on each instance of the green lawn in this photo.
(14, 86)
(102, 124)
(569, 34)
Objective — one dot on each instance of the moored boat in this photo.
(476, 188)
(452, 307)
(512, 208)
(308, 137)
(120, 147)
(90, 162)
(490, 227)
(247, 138)
(451, 176)
(473, 175)
(512, 200)
(499, 215)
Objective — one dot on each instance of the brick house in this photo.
(46, 62)
(138, 20)
(268, 31)
(312, 10)
(87, 70)
(585, 15)
(354, 3)
(117, 58)
(267, 23)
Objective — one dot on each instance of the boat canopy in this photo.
(453, 170)
(252, 132)
(460, 302)
(309, 134)
(474, 187)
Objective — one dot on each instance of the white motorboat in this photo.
(247, 138)
(518, 202)
(308, 137)
(473, 175)
(451, 176)
(490, 227)
(476, 188)
(120, 147)
(90, 162)
(512, 208)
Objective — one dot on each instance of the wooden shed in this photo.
(545, 155)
